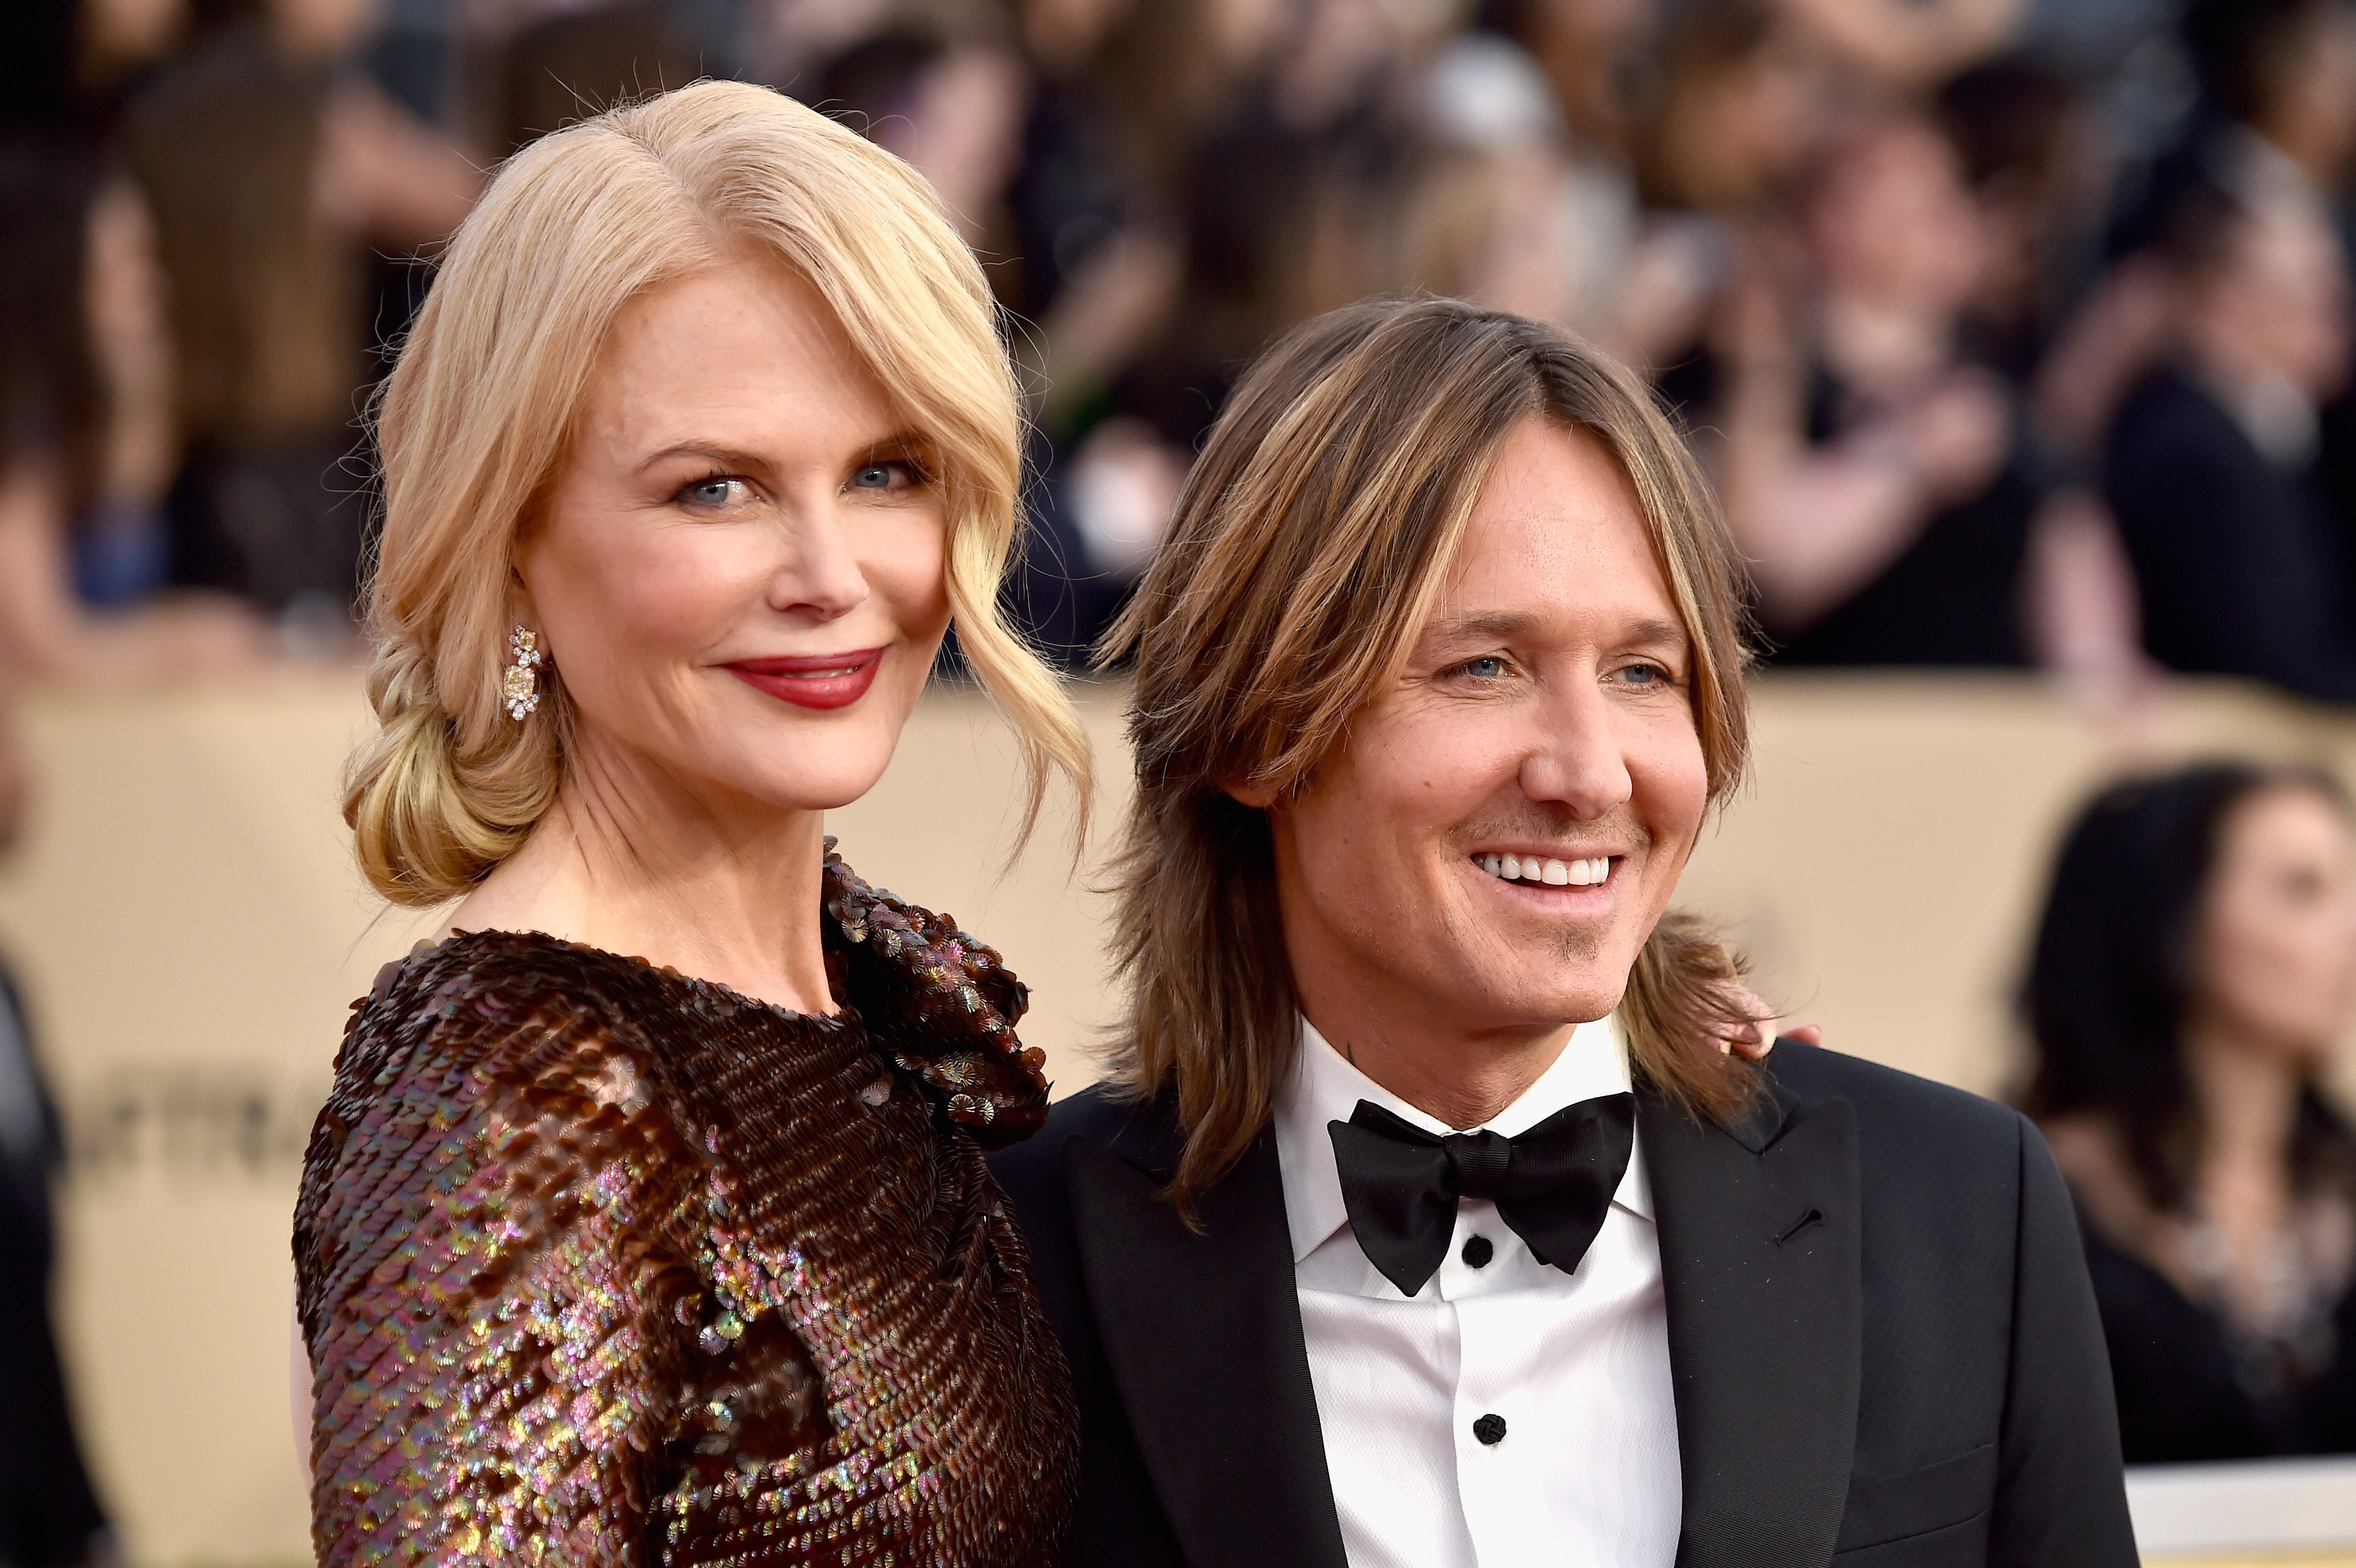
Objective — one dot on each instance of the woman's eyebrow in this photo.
(727, 456)
(900, 443)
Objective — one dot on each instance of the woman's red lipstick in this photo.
(813, 681)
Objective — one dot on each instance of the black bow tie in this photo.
(1552, 1184)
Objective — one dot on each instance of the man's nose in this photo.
(1575, 759)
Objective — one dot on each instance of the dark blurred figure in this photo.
(1592, 53)
(1075, 203)
(2211, 465)
(38, 46)
(49, 1514)
(1738, 104)
(272, 165)
(1905, 46)
(1734, 113)
(2279, 89)
(1508, 204)
(963, 111)
(2027, 144)
(953, 110)
(573, 63)
(2193, 976)
(86, 440)
(1283, 199)
(1874, 473)
(2273, 119)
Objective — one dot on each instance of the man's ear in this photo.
(1258, 796)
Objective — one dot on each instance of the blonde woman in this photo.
(648, 1222)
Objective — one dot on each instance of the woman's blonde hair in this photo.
(475, 418)
(1306, 553)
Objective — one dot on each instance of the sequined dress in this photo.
(599, 1264)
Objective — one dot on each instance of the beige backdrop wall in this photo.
(190, 931)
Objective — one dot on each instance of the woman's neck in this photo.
(704, 881)
(2248, 1098)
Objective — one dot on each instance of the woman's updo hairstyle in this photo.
(475, 421)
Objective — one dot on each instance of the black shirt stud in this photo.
(1478, 1251)
(1489, 1430)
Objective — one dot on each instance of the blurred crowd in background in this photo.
(2015, 334)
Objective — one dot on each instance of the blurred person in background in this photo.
(49, 1517)
(1276, 148)
(1500, 208)
(2035, 157)
(1875, 474)
(1734, 113)
(1593, 55)
(2210, 467)
(86, 440)
(953, 108)
(2030, 149)
(1562, 184)
(1094, 262)
(1906, 45)
(2193, 978)
(2272, 117)
(1738, 104)
(2278, 107)
(1281, 196)
(571, 60)
(271, 166)
(1019, 154)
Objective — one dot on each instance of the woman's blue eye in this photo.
(1488, 666)
(716, 491)
(881, 476)
(1644, 675)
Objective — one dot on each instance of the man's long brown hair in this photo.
(1307, 550)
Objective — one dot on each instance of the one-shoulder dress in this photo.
(600, 1264)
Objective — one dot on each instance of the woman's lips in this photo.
(813, 681)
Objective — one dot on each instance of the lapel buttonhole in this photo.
(1812, 1216)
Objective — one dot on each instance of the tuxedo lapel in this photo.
(1758, 1232)
(1202, 1329)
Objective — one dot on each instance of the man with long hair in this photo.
(1422, 1220)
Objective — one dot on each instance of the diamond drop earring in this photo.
(520, 688)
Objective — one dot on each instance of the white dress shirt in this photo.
(1576, 1365)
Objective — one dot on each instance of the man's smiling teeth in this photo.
(1554, 873)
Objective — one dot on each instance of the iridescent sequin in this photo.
(600, 1264)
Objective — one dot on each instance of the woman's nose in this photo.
(820, 574)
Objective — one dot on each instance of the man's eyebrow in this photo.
(1655, 632)
(1485, 623)
(1507, 623)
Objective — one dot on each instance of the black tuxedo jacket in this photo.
(1885, 1351)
